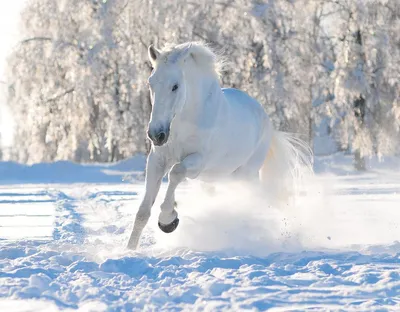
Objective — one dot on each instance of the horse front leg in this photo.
(155, 170)
(190, 167)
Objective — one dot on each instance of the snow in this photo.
(64, 227)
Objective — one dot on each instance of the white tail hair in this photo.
(288, 161)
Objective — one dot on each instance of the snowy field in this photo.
(64, 227)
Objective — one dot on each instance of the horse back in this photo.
(243, 107)
(237, 134)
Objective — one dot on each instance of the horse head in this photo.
(168, 91)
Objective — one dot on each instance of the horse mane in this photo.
(204, 57)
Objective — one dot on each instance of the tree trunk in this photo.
(359, 111)
(310, 133)
(311, 121)
(359, 161)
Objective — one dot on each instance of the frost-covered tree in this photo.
(73, 81)
(78, 78)
(367, 68)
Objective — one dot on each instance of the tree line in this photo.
(77, 79)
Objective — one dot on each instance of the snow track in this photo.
(63, 247)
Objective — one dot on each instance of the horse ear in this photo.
(186, 52)
(183, 54)
(153, 53)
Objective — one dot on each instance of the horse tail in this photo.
(288, 160)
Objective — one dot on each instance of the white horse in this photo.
(200, 131)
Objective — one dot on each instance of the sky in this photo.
(9, 17)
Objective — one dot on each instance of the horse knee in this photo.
(177, 173)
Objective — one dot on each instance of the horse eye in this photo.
(174, 88)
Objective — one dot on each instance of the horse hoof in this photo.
(169, 228)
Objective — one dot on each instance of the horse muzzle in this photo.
(158, 137)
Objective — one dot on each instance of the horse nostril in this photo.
(161, 137)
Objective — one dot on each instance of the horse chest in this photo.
(181, 146)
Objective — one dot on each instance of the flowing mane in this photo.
(204, 57)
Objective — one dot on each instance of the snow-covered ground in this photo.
(64, 227)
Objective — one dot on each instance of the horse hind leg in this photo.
(250, 170)
(246, 173)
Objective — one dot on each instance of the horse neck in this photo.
(201, 91)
